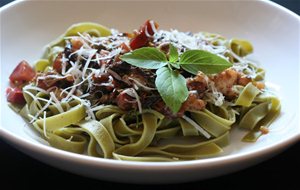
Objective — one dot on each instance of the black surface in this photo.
(282, 171)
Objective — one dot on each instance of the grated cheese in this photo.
(97, 108)
(92, 53)
(198, 127)
(57, 103)
(86, 37)
(131, 92)
(87, 105)
(44, 126)
(42, 110)
(73, 88)
(146, 31)
(64, 61)
(153, 26)
(214, 95)
(30, 87)
(138, 85)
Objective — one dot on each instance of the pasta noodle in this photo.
(72, 100)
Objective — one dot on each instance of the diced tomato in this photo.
(22, 73)
(144, 34)
(57, 64)
(15, 95)
(46, 84)
(125, 48)
(76, 43)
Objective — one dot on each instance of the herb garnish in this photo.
(170, 84)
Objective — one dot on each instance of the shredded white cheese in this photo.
(42, 110)
(57, 103)
(44, 126)
(198, 127)
(30, 87)
(131, 92)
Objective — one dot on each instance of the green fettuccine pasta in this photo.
(96, 92)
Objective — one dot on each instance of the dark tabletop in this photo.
(282, 171)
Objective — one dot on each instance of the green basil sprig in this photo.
(170, 84)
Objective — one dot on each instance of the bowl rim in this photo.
(136, 165)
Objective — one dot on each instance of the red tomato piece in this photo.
(125, 48)
(22, 73)
(57, 64)
(144, 35)
(15, 95)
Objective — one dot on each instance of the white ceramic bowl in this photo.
(26, 26)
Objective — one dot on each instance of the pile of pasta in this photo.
(146, 136)
(150, 136)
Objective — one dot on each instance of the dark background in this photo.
(282, 171)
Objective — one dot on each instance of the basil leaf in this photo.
(173, 55)
(147, 58)
(175, 65)
(198, 60)
(172, 88)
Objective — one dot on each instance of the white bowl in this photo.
(27, 26)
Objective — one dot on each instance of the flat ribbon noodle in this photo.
(212, 123)
(150, 125)
(202, 151)
(167, 133)
(254, 115)
(65, 140)
(109, 125)
(241, 47)
(273, 113)
(174, 152)
(98, 132)
(88, 27)
(247, 95)
(73, 116)
(122, 129)
(187, 128)
(143, 159)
